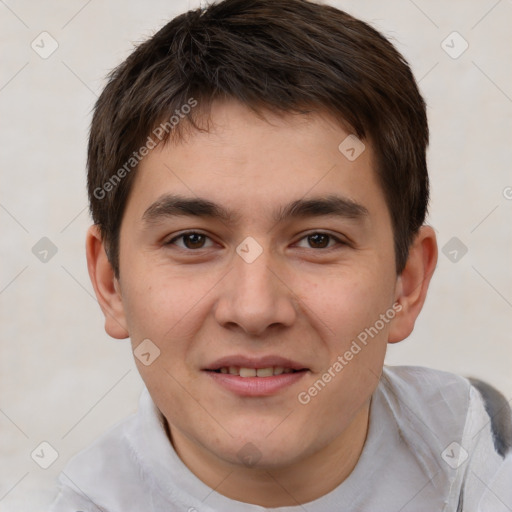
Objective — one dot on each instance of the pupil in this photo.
(318, 240)
(194, 240)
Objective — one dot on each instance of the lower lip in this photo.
(256, 386)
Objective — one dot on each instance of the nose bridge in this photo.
(254, 277)
(255, 298)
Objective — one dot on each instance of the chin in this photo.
(261, 452)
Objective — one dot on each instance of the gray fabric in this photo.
(429, 448)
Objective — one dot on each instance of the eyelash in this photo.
(187, 233)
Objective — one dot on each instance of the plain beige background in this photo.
(63, 380)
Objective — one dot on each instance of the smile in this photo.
(255, 382)
(255, 372)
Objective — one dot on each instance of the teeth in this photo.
(248, 372)
(265, 372)
(255, 372)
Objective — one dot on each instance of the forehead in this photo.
(252, 162)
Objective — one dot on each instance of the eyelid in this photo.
(339, 240)
(185, 233)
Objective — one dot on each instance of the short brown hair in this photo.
(289, 56)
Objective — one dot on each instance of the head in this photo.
(288, 140)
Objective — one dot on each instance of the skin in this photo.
(298, 299)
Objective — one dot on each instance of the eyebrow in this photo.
(171, 205)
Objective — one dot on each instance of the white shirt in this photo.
(431, 446)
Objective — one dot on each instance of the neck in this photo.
(284, 486)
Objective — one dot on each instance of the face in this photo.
(253, 256)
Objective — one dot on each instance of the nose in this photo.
(255, 297)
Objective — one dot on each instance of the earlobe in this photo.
(412, 284)
(106, 286)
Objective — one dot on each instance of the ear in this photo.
(412, 284)
(105, 284)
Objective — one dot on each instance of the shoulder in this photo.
(436, 398)
(423, 380)
(108, 474)
(98, 467)
(429, 408)
(488, 472)
(444, 400)
(459, 426)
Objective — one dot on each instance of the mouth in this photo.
(269, 371)
(246, 377)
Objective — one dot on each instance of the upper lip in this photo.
(254, 362)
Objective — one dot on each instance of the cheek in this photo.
(159, 300)
(347, 301)
(354, 334)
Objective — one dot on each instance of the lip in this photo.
(255, 386)
(255, 362)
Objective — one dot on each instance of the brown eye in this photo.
(318, 240)
(194, 240)
(321, 240)
(191, 240)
